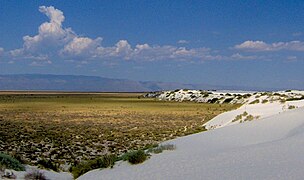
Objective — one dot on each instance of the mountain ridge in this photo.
(84, 83)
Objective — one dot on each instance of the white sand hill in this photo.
(268, 148)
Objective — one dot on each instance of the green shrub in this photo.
(9, 162)
(255, 101)
(135, 157)
(240, 116)
(291, 107)
(237, 118)
(206, 95)
(249, 118)
(213, 100)
(107, 161)
(246, 95)
(81, 168)
(295, 99)
(85, 166)
(228, 100)
(264, 101)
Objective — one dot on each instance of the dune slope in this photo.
(270, 148)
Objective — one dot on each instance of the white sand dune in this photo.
(270, 148)
(260, 111)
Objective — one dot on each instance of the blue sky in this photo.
(244, 43)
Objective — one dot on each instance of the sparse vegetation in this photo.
(291, 107)
(240, 116)
(136, 157)
(161, 148)
(295, 98)
(9, 162)
(54, 131)
(85, 166)
(245, 117)
(249, 118)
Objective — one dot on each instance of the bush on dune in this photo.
(9, 162)
(255, 101)
(134, 157)
(161, 148)
(137, 157)
(103, 162)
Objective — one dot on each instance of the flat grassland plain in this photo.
(40, 128)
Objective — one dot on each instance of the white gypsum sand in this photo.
(269, 148)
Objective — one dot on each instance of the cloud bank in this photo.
(278, 46)
(55, 41)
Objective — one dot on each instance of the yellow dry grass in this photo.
(69, 126)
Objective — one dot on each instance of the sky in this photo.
(232, 43)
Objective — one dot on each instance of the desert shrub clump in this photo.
(85, 166)
(228, 100)
(249, 118)
(255, 101)
(135, 157)
(295, 98)
(240, 116)
(161, 148)
(291, 107)
(9, 162)
(237, 118)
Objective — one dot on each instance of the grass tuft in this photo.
(135, 157)
(85, 166)
(161, 148)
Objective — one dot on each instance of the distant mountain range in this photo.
(47, 82)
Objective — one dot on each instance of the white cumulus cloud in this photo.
(54, 41)
(145, 52)
(262, 46)
(81, 46)
(51, 35)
